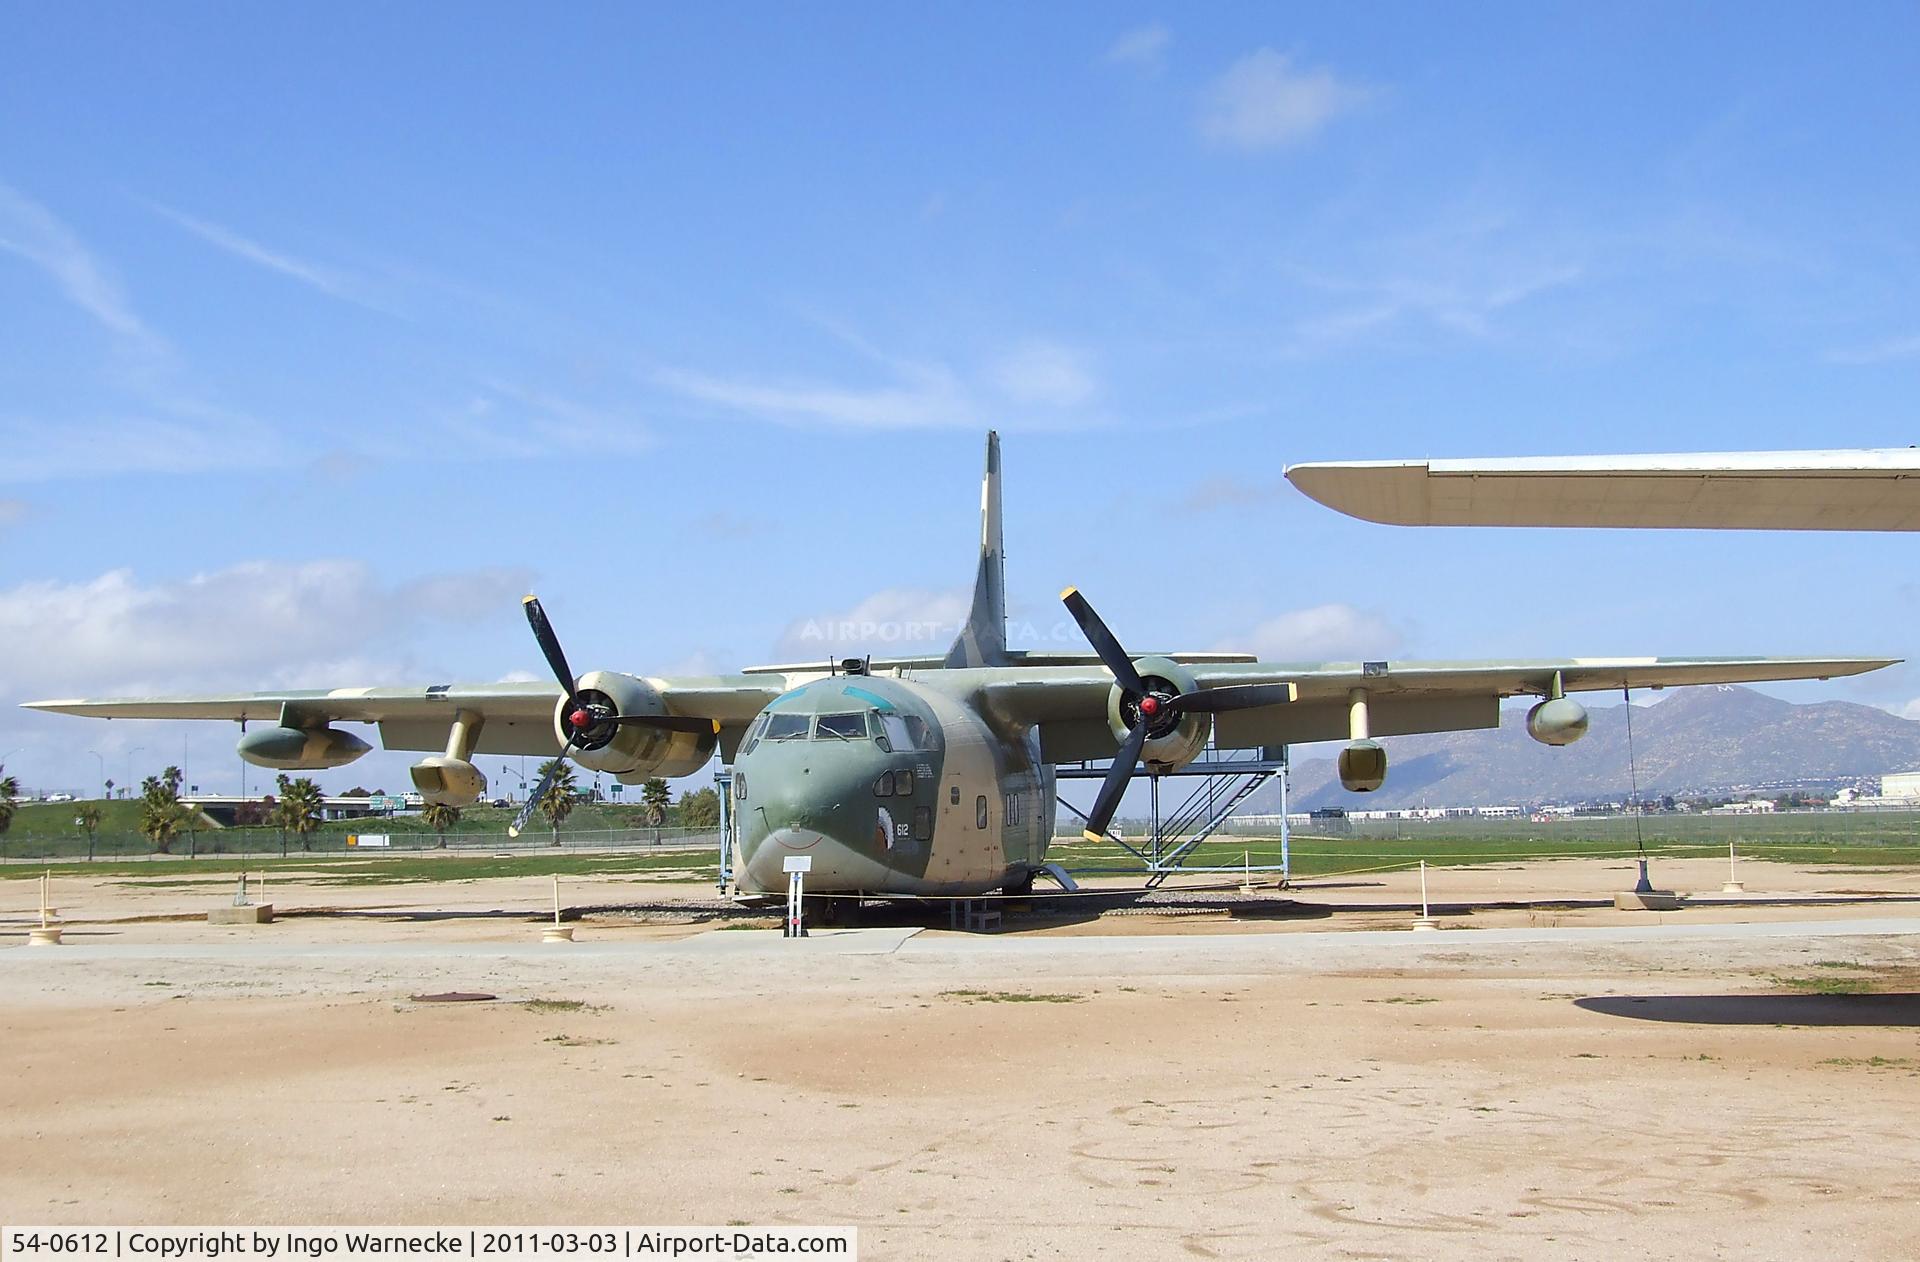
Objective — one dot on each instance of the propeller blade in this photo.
(549, 644)
(673, 723)
(1110, 653)
(1232, 697)
(532, 803)
(1115, 784)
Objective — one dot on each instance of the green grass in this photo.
(1824, 985)
(1009, 996)
(1866, 840)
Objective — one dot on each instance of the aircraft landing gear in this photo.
(842, 912)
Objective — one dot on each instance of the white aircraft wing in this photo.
(1873, 489)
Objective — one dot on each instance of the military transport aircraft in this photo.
(935, 775)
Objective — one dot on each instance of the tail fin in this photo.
(983, 641)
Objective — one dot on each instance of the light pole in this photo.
(103, 768)
(130, 753)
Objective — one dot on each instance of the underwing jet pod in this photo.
(931, 775)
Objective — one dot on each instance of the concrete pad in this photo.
(1652, 900)
(875, 941)
(251, 914)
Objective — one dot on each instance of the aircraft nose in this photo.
(836, 867)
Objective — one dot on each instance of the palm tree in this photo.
(88, 817)
(440, 818)
(9, 787)
(654, 796)
(162, 817)
(557, 802)
(298, 811)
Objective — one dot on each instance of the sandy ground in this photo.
(1568, 1082)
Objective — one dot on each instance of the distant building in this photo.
(1901, 786)
(1757, 806)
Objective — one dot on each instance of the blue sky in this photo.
(326, 331)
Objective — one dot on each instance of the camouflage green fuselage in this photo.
(892, 786)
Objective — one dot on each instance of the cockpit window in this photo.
(787, 727)
(846, 727)
(890, 732)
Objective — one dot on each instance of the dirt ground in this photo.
(1562, 1082)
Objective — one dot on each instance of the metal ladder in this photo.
(1192, 812)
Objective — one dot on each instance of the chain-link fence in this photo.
(1868, 826)
(371, 842)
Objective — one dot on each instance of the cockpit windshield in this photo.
(787, 727)
(846, 727)
(900, 733)
(892, 731)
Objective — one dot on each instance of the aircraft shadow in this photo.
(1896, 1009)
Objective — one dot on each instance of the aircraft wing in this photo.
(518, 717)
(1873, 489)
(1402, 697)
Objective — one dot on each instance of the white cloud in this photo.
(896, 622)
(12, 511)
(333, 283)
(505, 421)
(1333, 632)
(930, 403)
(1143, 48)
(1879, 352)
(1263, 101)
(1046, 374)
(1464, 305)
(257, 625)
(30, 231)
(38, 450)
(920, 395)
(1231, 492)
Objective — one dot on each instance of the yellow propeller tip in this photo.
(716, 726)
(528, 599)
(1068, 592)
(1092, 836)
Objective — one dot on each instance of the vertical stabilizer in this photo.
(983, 640)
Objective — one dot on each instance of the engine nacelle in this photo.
(445, 781)
(1178, 743)
(1558, 721)
(1363, 767)
(300, 748)
(632, 749)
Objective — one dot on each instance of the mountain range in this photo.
(1697, 741)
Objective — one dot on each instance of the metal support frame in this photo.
(723, 785)
(1228, 779)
